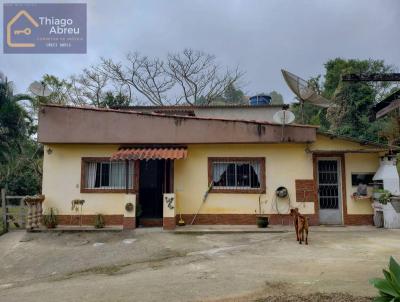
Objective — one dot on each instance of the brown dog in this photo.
(300, 224)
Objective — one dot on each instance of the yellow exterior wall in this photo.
(358, 163)
(354, 163)
(283, 164)
(324, 142)
(62, 178)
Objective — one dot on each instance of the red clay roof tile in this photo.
(149, 153)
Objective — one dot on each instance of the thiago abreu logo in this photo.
(44, 28)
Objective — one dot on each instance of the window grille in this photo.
(236, 174)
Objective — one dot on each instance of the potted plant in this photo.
(377, 193)
(50, 218)
(99, 221)
(384, 197)
(261, 220)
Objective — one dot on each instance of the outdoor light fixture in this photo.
(49, 151)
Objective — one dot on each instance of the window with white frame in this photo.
(108, 175)
(237, 174)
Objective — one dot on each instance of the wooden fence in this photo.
(13, 212)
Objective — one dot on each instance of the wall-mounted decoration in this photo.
(169, 201)
(129, 207)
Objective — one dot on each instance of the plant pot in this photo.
(51, 225)
(262, 221)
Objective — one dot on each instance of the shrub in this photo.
(389, 288)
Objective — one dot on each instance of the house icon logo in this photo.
(11, 33)
(44, 28)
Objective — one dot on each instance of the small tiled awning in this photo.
(149, 153)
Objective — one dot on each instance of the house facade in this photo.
(204, 170)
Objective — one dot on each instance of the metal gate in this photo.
(13, 212)
(329, 191)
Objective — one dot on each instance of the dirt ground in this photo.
(152, 265)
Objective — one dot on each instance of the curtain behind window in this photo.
(111, 175)
(91, 175)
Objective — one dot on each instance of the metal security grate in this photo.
(237, 174)
(328, 184)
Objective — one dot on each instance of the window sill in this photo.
(238, 191)
(108, 191)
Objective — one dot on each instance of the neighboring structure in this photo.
(168, 163)
(388, 104)
(261, 112)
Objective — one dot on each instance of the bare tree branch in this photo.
(146, 76)
(198, 75)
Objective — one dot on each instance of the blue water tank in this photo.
(260, 99)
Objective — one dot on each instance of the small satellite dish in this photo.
(39, 89)
(283, 117)
(302, 90)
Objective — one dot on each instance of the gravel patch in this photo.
(317, 297)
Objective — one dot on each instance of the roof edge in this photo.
(171, 116)
(357, 140)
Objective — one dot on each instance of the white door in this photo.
(329, 191)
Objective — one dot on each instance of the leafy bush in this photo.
(385, 197)
(99, 221)
(389, 288)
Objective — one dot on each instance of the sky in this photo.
(261, 37)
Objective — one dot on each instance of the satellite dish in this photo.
(39, 89)
(301, 89)
(283, 117)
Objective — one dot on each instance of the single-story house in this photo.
(216, 170)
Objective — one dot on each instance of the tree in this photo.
(192, 76)
(353, 101)
(276, 98)
(232, 95)
(112, 99)
(14, 120)
(141, 74)
(198, 75)
(351, 112)
(88, 87)
(20, 155)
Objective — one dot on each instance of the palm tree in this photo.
(14, 120)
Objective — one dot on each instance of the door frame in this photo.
(167, 186)
(342, 175)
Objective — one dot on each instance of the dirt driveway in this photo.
(151, 265)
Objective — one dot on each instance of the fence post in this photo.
(21, 213)
(4, 206)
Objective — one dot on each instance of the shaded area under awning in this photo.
(149, 153)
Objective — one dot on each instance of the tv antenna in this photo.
(40, 89)
(303, 92)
